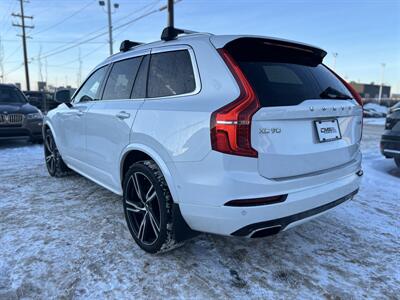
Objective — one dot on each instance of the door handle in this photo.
(123, 115)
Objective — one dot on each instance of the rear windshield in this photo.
(282, 84)
(10, 94)
(284, 73)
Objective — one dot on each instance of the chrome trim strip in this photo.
(391, 151)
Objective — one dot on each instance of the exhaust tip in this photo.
(263, 232)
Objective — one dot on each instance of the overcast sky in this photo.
(363, 33)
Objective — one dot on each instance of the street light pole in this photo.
(109, 12)
(335, 54)
(381, 86)
(110, 26)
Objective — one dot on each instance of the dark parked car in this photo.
(390, 143)
(42, 100)
(18, 118)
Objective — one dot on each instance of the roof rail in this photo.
(170, 33)
(127, 44)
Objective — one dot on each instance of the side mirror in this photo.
(63, 96)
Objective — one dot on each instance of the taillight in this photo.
(231, 124)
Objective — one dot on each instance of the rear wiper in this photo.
(331, 93)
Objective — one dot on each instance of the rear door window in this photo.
(170, 74)
(120, 81)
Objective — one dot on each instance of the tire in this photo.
(397, 160)
(150, 221)
(54, 163)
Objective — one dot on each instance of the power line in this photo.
(65, 19)
(106, 32)
(96, 31)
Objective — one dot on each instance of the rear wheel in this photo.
(148, 207)
(397, 160)
(54, 163)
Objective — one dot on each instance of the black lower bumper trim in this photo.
(285, 221)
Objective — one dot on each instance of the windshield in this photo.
(10, 94)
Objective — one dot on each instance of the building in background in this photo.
(371, 90)
(42, 86)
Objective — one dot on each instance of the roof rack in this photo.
(127, 44)
(170, 33)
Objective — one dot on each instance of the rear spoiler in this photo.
(256, 45)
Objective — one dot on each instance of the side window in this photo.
(139, 88)
(170, 73)
(90, 88)
(120, 81)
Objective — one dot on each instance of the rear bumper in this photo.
(206, 188)
(299, 207)
(390, 144)
(274, 226)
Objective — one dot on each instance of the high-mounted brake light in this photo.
(231, 124)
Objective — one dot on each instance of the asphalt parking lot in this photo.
(67, 238)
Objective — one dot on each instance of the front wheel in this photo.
(54, 163)
(397, 160)
(148, 207)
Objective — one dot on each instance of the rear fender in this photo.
(168, 175)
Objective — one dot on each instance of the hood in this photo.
(21, 108)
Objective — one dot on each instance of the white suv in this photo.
(233, 135)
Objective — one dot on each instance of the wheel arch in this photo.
(137, 152)
(47, 125)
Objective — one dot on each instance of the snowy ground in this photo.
(67, 239)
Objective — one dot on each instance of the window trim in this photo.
(197, 80)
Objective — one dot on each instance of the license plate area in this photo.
(328, 130)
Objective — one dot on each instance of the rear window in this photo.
(286, 74)
(283, 84)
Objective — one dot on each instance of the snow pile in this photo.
(67, 238)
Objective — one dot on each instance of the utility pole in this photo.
(171, 13)
(381, 86)
(22, 16)
(109, 12)
(335, 54)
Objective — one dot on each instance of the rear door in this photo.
(109, 120)
(308, 121)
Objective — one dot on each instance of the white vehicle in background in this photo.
(232, 135)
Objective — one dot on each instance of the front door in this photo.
(109, 120)
(71, 121)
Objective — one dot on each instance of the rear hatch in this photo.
(308, 121)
